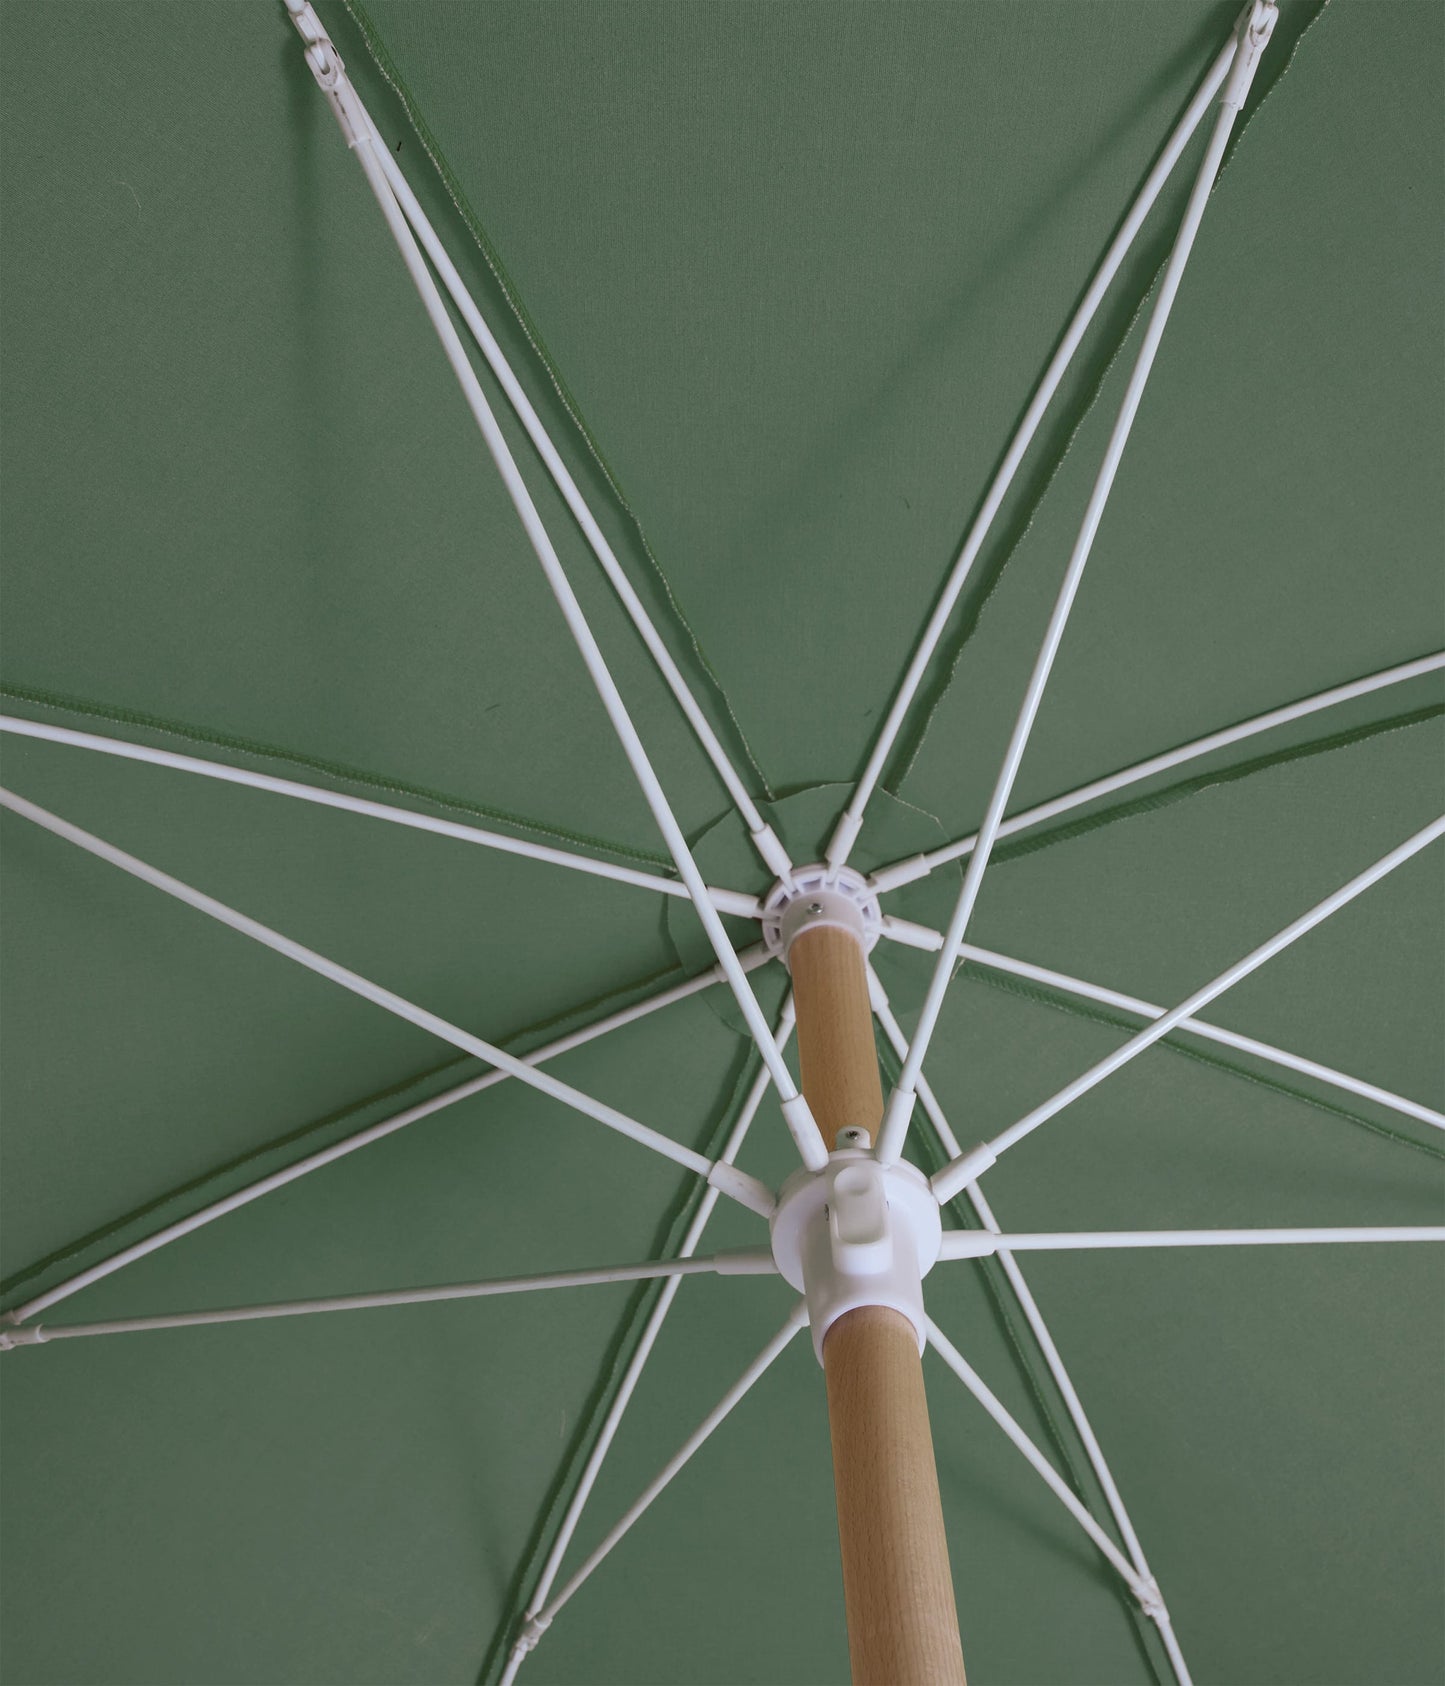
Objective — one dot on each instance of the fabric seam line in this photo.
(59, 703)
(972, 613)
(387, 67)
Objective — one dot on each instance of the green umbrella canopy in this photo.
(779, 280)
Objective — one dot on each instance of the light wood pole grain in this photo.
(902, 1621)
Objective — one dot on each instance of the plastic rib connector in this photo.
(900, 873)
(844, 837)
(966, 1169)
(857, 1234)
(774, 855)
(803, 1128)
(745, 1261)
(327, 66)
(820, 896)
(738, 1185)
(1255, 26)
(1151, 1600)
(532, 1630)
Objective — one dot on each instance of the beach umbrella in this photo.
(901, 781)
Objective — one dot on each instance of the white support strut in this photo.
(954, 1176)
(735, 1184)
(356, 126)
(758, 1262)
(536, 1625)
(1152, 1604)
(734, 902)
(647, 1340)
(981, 1243)
(975, 1384)
(1253, 31)
(163, 1237)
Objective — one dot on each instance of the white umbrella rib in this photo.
(920, 936)
(726, 901)
(900, 1104)
(756, 1263)
(358, 126)
(978, 1244)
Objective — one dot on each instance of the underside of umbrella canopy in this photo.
(776, 285)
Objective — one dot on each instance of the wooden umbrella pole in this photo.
(902, 1621)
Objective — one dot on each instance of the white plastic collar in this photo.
(533, 1627)
(820, 896)
(857, 1233)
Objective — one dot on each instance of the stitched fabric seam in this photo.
(1016, 849)
(386, 65)
(122, 716)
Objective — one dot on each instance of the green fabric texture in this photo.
(779, 278)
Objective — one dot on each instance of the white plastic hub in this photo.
(821, 895)
(857, 1233)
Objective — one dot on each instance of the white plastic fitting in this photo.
(1151, 1599)
(966, 1169)
(820, 896)
(775, 856)
(857, 1233)
(327, 67)
(739, 1185)
(1253, 30)
(533, 1627)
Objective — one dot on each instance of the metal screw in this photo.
(815, 907)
